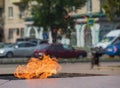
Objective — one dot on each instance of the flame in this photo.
(36, 68)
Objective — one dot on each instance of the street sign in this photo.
(90, 21)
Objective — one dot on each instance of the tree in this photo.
(53, 14)
(112, 8)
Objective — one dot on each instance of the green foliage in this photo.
(112, 8)
(48, 13)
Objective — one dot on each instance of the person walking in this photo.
(95, 57)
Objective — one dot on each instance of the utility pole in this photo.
(89, 8)
(90, 20)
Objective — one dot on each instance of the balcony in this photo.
(15, 1)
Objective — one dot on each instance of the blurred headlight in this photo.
(2, 51)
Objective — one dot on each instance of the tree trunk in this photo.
(54, 35)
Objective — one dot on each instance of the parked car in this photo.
(2, 44)
(23, 39)
(21, 49)
(113, 49)
(38, 41)
(60, 50)
(33, 40)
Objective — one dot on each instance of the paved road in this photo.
(109, 68)
(75, 82)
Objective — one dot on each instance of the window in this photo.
(17, 31)
(22, 32)
(22, 14)
(34, 41)
(10, 12)
(21, 45)
(32, 33)
(117, 41)
(0, 12)
(52, 48)
(67, 47)
(107, 39)
(59, 47)
(30, 44)
(10, 34)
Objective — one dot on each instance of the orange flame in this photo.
(37, 68)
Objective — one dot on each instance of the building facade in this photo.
(92, 24)
(12, 24)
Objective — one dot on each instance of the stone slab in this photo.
(75, 82)
(2, 82)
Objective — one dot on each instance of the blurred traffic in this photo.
(22, 48)
(36, 48)
(61, 51)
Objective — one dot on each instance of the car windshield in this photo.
(34, 41)
(117, 41)
(38, 41)
(67, 47)
(107, 39)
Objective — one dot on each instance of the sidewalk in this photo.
(106, 68)
(75, 82)
(111, 69)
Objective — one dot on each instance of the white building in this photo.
(87, 35)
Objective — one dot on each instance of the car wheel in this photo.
(9, 54)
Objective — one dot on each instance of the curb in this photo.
(25, 60)
(13, 60)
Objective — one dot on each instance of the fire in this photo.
(36, 68)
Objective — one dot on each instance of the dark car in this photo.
(61, 51)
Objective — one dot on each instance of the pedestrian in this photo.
(95, 57)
